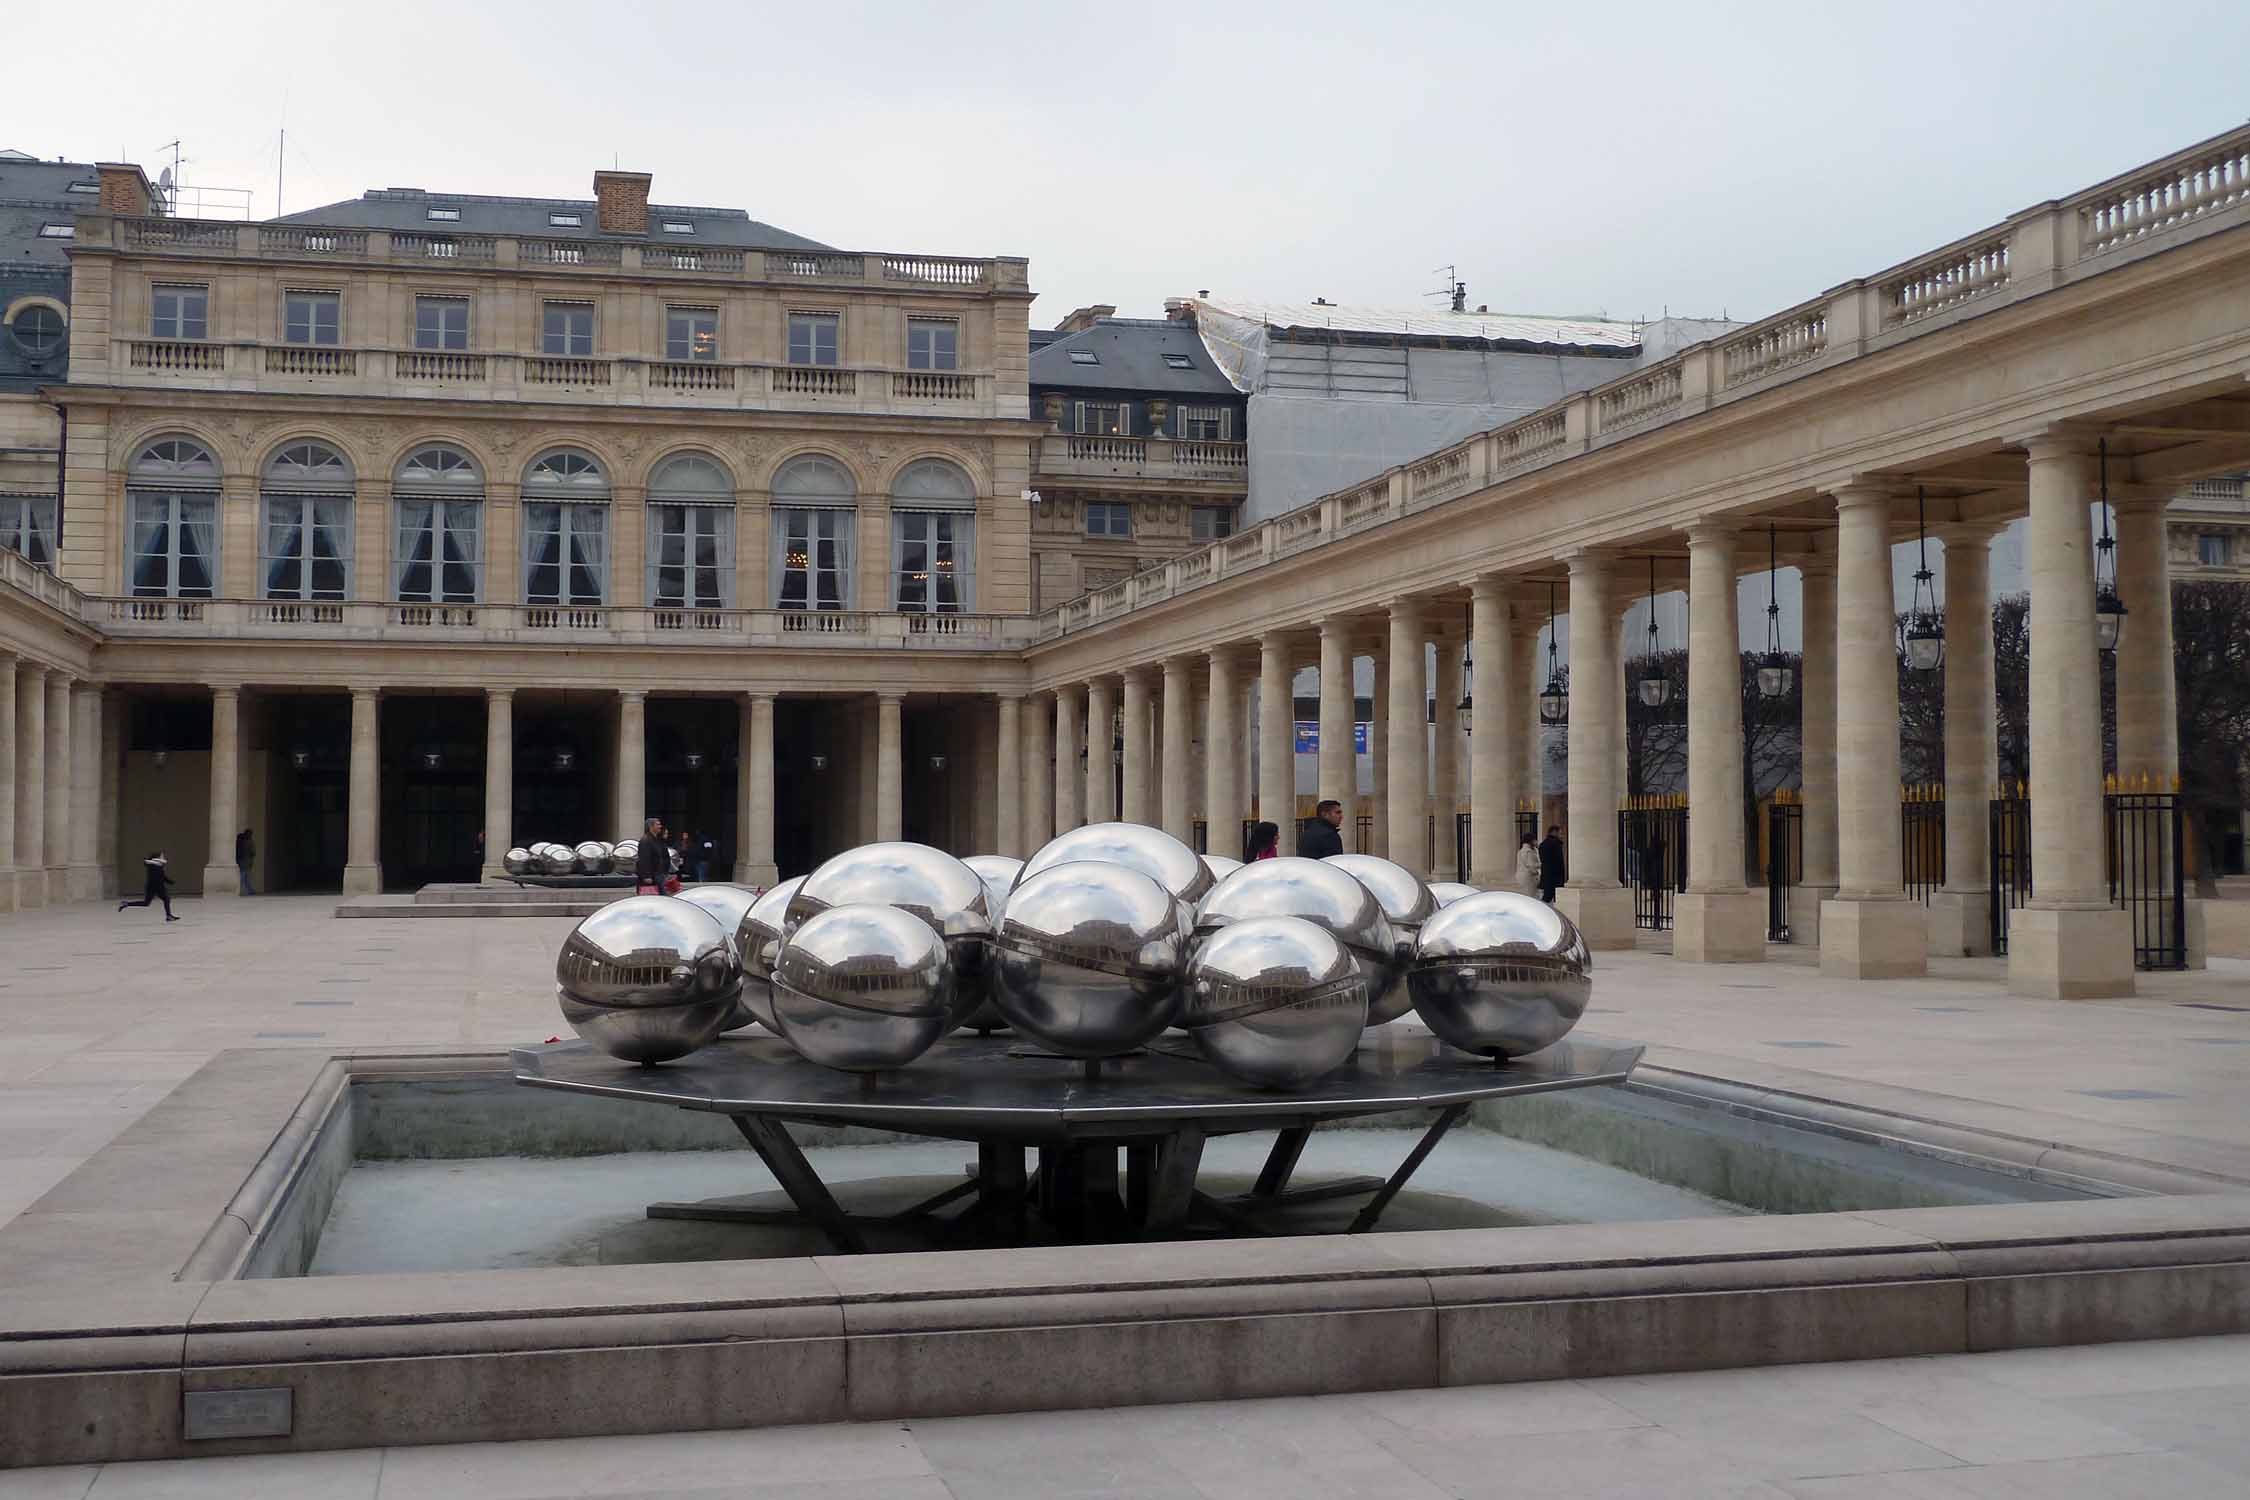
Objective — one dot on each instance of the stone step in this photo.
(442, 894)
(407, 906)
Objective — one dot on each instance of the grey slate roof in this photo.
(33, 193)
(409, 209)
(1132, 354)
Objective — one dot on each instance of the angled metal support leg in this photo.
(1406, 1169)
(1281, 1161)
(799, 1181)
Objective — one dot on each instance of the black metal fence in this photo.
(1363, 834)
(2147, 875)
(2009, 882)
(1785, 864)
(1652, 859)
(1921, 843)
(1203, 838)
(1461, 846)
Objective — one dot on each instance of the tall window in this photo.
(441, 322)
(27, 524)
(690, 534)
(565, 529)
(312, 317)
(304, 549)
(172, 501)
(1109, 518)
(567, 330)
(1102, 418)
(933, 538)
(1206, 424)
(815, 525)
(178, 312)
(933, 344)
(438, 498)
(1211, 522)
(691, 333)
(2211, 549)
(813, 338)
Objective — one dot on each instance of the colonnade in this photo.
(55, 798)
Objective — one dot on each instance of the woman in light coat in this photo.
(1527, 866)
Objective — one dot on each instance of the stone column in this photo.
(1960, 920)
(632, 763)
(1101, 750)
(219, 877)
(2148, 720)
(1339, 762)
(1008, 799)
(1378, 755)
(1870, 930)
(1496, 700)
(1222, 731)
(499, 781)
(31, 786)
(1407, 800)
(1445, 759)
(1139, 745)
(1039, 775)
(363, 869)
(1816, 828)
(112, 791)
(2069, 942)
(1718, 919)
(1070, 772)
(1602, 908)
(85, 792)
(8, 666)
(1277, 740)
(1530, 783)
(59, 791)
(1178, 762)
(754, 793)
(890, 768)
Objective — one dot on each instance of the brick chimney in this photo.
(1086, 317)
(125, 189)
(621, 202)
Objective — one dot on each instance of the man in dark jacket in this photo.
(652, 866)
(1317, 837)
(1552, 872)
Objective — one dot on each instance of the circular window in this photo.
(38, 331)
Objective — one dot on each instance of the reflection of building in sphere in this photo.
(1152, 851)
(1089, 958)
(1275, 1001)
(1500, 973)
(647, 978)
(863, 987)
(1405, 900)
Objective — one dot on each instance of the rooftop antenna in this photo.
(169, 181)
(1455, 288)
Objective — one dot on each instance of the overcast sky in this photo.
(1619, 158)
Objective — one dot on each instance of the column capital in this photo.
(1489, 586)
(891, 700)
(226, 689)
(1273, 640)
(1712, 531)
(368, 694)
(632, 695)
(1342, 625)
(2056, 442)
(1860, 494)
(499, 692)
(2139, 500)
(1590, 562)
(1968, 533)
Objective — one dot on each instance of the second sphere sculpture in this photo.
(1090, 958)
(1275, 1001)
(863, 988)
(1316, 891)
(727, 904)
(1136, 846)
(758, 936)
(647, 979)
(1500, 973)
(1405, 900)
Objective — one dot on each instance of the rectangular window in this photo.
(691, 333)
(2211, 549)
(440, 551)
(565, 554)
(565, 221)
(568, 330)
(691, 556)
(1102, 419)
(84, 187)
(58, 232)
(1109, 518)
(1179, 362)
(933, 344)
(1211, 522)
(933, 553)
(813, 338)
(678, 226)
(1206, 424)
(175, 545)
(441, 322)
(178, 312)
(445, 215)
(812, 558)
(312, 317)
(27, 525)
(1084, 357)
(306, 547)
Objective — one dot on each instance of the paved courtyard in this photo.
(106, 1013)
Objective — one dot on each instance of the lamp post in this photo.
(1925, 632)
(1775, 675)
(1554, 698)
(2109, 609)
(1655, 688)
(1464, 709)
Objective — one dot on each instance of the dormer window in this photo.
(84, 187)
(1179, 362)
(57, 232)
(445, 215)
(1084, 357)
(679, 226)
(567, 221)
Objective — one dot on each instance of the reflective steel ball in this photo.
(557, 859)
(593, 857)
(1220, 866)
(863, 987)
(998, 872)
(1090, 958)
(727, 905)
(624, 854)
(1136, 846)
(1446, 892)
(758, 935)
(516, 861)
(1404, 899)
(647, 978)
(1275, 1001)
(1313, 890)
(1500, 973)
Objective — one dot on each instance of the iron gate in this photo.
(1785, 864)
(1921, 843)
(1652, 859)
(2147, 875)
(2010, 862)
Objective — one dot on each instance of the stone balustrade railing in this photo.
(227, 238)
(2201, 190)
(1091, 455)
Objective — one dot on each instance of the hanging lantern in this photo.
(693, 760)
(1554, 698)
(1465, 709)
(1655, 688)
(937, 762)
(1775, 675)
(819, 761)
(565, 758)
(2109, 609)
(300, 757)
(1925, 631)
(432, 759)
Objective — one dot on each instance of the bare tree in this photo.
(2211, 680)
(1656, 738)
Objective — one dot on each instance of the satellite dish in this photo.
(164, 179)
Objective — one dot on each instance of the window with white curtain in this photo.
(304, 543)
(933, 538)
(565, 529)
(172, 533)
(27, 524)
(815, 530)
(438, 500)
(690, 534)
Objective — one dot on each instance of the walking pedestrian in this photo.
(1553, 871)
(155, 886)
(1317, 837)
(652, 865)
(1264, 842)
(1530, 868)
(245, 856)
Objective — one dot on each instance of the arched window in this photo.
(305, 543)
(37, 330)
(815, 518)
(438, 501)
(565, 529)
(172, 541)
(933, 538)
(690, 534)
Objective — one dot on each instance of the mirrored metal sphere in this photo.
(593, 857)
(1275, 1001)
(727, 904)
(1220, 866)
(647, 978)
(930, 883)
(1500, 973)
(1152, 851)
(1090, 957)
(1313, 890)
(516, 861)
(998, 872)
(863, 987)
(1405, 900)
(758, 935)
(1446, 892)
(557, 859)
(623, 853)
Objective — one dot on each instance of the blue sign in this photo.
(1308, 737)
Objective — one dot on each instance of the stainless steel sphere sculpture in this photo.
(623, 853)
(557, 859)
(1405, 900)
(1275, 1001)
(863, 987)
(1090, 958)
(593, 857)
(1221, 866)
(998, 872)
(1151, 851)
(1500, 973)
(1315, 891)
(648, 978)
(727, 904)
(516, 861)
(758, 935)
(1446, 892)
